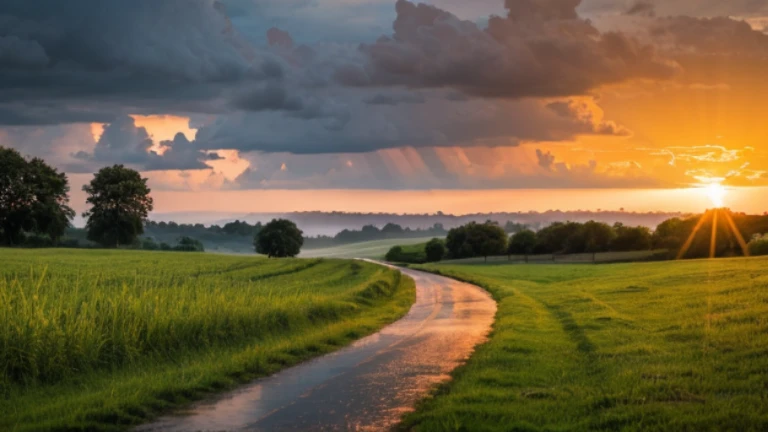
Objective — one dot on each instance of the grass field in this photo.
(100, 340)
(372, 249)
(672, 346)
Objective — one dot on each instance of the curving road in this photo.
(366, 386)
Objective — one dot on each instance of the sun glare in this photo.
(716, 193)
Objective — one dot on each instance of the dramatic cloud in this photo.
(542, 48)
(123, 142)
(112, 55)
(708, 36)
(343, 124)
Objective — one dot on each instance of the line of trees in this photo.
(34, 206)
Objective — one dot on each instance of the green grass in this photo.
(372, 249)
(672, 346)
(101, 340)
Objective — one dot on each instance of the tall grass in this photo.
(69, 313)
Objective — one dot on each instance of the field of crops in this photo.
(89, 338)
(673, 346)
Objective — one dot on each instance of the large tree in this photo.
(33, 198)
(280, 238)
(120, 204)
(51, 213)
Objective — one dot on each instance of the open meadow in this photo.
(101, 340)
(372, 249)
(673, 346)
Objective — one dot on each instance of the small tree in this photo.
(522, 243)
(759, 245)
(120, 204)
(394, 254)
(435, 250)
(280, 238)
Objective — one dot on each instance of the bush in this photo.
(435, 250)
(413, 254)
(759, 245)
(188, 244)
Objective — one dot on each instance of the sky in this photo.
(374, 105)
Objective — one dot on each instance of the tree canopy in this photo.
(476, 240)
(33, 198)
(120, 204)
(522, 243)
(435, 250)
(280, 238)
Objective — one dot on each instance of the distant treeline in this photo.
(489, 239)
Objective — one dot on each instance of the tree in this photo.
(51, 213)
(120, 204)
(33, 198)
(553, 239)
(435, 250)
(522, 243)
(394, 254)
(15, 197)
(591, 237)
(280, 238)
(631, 238)
(476, 240)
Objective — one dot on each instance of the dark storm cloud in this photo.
(642, 8)
(125, 143)
(708, 36)
(395, 99)
(541, 49)
(145, 54)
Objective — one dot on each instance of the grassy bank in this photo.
(101, 340)
(671, 346)
(372, 249)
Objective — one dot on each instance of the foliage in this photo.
(33, 198)
(408, 254)
(590, 237)
(664, 346)
(435, 250)
(554, 238)
(280, 238)
(759, 245)
(476, 240)
(522, 242)
(188, 244)
(96, 338)
(631, 238)
(673, 233)
(120, 204)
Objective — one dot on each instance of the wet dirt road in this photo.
(366, 386)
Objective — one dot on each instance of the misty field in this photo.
(372, 249)
(105, 339)
(673, 346)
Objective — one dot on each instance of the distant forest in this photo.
(237, 236)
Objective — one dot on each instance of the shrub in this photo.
(435, 250)
(759, 245)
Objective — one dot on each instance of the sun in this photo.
(716, 193)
